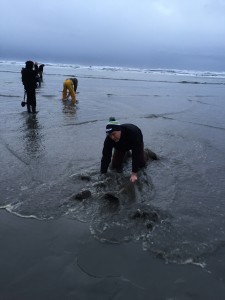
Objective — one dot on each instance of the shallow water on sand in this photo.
(49, 158)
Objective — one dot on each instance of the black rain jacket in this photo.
(29, 79)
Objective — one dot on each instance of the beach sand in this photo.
(54, 246)
(59, 259)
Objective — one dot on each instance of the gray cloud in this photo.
(147, 33)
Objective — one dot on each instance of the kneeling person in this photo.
(123, 138)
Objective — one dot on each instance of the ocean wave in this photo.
(159, 71)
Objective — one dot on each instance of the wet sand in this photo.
(59, 259)
(69, 254)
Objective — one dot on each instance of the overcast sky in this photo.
(182, 34)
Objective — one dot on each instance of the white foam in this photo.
(194, 73)
(11, 209)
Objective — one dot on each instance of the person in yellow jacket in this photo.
(70, 85)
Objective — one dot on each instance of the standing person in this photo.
(30, 84)
(70, 84)
(36, 67)
(38, 77)
(40, 71)
(123, 138)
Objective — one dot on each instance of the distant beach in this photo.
(56, 246)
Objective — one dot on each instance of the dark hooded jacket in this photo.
(29, 76)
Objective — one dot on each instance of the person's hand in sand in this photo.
(133, 177)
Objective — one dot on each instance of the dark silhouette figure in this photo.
(40, 71)
(38, 77)
(30, 85)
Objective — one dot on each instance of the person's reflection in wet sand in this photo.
(33, 136)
